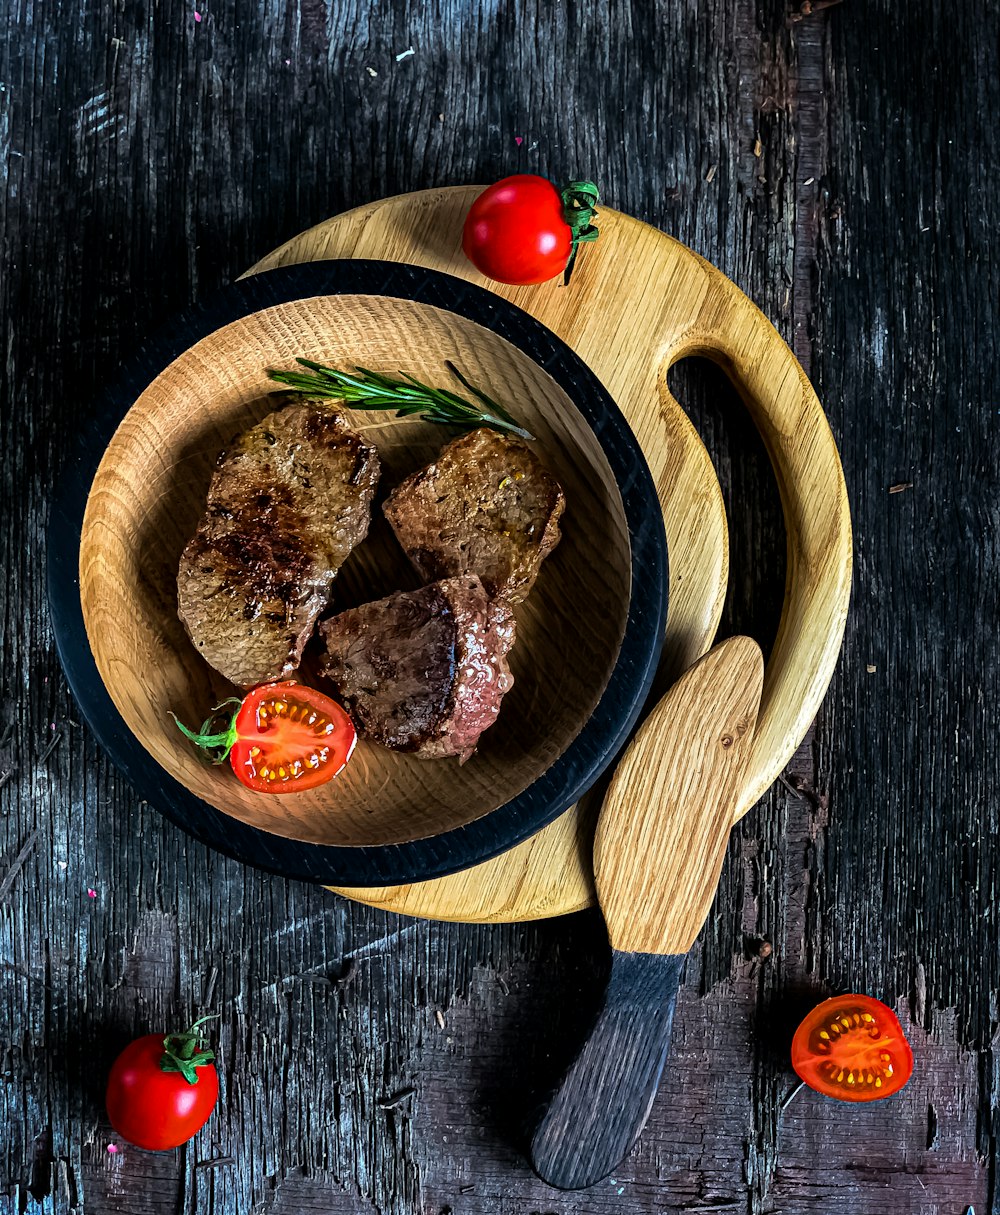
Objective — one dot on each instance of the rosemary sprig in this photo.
(373, 390)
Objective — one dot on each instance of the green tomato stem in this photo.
(217, 743)
(181, 1051)
(579, 200)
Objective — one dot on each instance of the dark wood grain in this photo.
(146, 158)
(601, 1105)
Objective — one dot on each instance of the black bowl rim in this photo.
(562, 784)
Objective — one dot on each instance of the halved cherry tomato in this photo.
(853, 1048)
(282, 738)
(523, 230)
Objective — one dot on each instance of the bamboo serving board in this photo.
(640, 301)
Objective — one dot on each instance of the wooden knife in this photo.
(661, 840)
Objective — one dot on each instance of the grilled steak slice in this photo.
(288, 501)
(486, 506)
(423, 671)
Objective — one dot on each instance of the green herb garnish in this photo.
(373, 390)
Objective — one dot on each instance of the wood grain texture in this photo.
(145, 159)
(666, 816)
(600, 1107)
(678, 306)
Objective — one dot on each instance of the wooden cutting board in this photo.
(639, 302)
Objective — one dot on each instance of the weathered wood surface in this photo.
(147, 157)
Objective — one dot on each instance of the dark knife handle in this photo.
(603, 1103)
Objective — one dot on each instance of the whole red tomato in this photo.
(524, 230)
(162, 1090)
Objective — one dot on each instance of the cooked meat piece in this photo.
(423, 671)
(486, 506)
(288, 501)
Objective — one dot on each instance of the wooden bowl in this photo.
(588, 635)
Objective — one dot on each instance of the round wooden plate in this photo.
(630, 327)
(589, 635)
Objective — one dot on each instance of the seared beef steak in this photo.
(486, 506)
(423, 671)
(288, 501)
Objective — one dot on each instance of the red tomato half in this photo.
(853, 1048)
(516, 232)
(290, 737)
(155, 1108)
(283, 738)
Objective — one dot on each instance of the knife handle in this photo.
(602, 1104)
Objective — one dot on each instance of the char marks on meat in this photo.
(486, 506)
(289, 500)
(423, 671)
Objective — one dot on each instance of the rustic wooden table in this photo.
(840, 164)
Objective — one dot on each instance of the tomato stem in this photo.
(217, 743)
(181, 1053)
(792, 1095)
(579, 200)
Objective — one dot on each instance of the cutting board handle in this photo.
(732, 332)
(605, 1098)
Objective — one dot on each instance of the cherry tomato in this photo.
(161, 1091)
(283, 738)
(523, 230)
(853, 1048)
